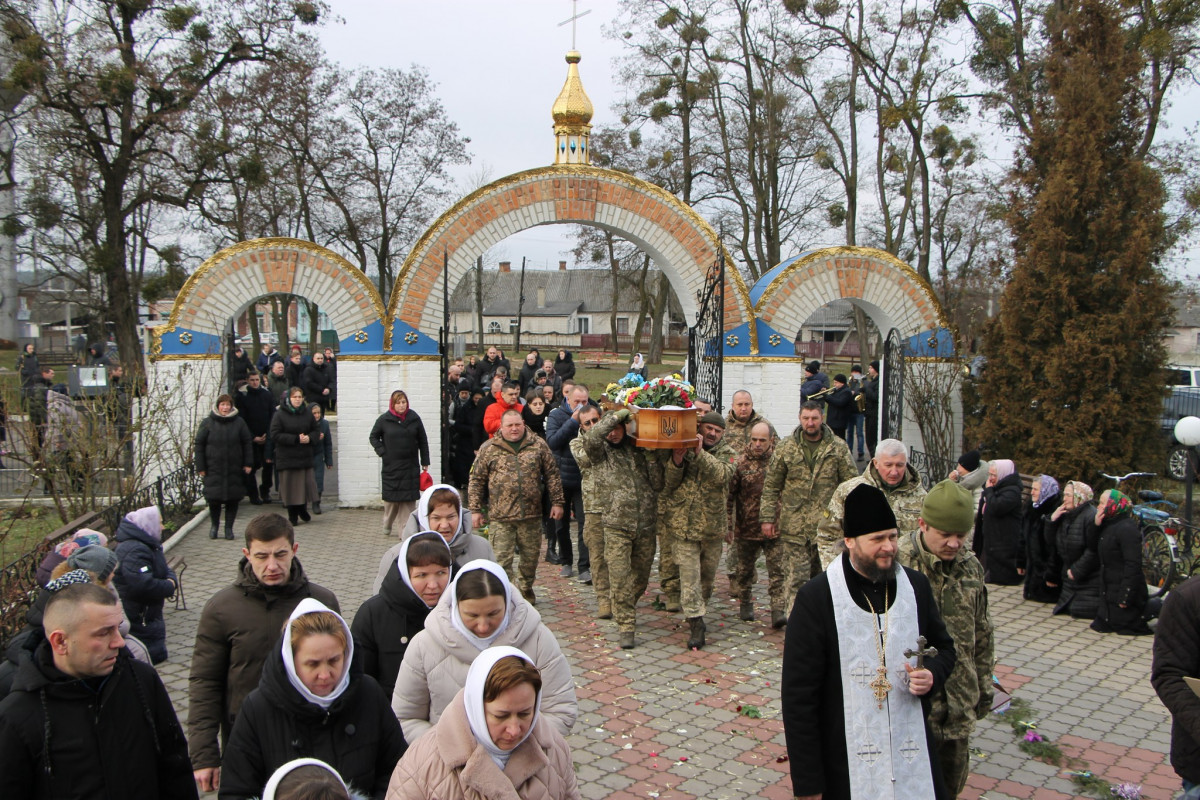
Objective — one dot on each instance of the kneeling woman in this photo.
(492, 740)
(479, 610)
(1123, 593)
(313, 701)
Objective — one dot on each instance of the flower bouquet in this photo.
(664, 415)
(669, 391)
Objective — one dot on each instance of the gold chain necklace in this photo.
(881, 685)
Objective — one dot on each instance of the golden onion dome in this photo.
(572, 106)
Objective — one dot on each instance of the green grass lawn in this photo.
(597, 378)
(22, 529)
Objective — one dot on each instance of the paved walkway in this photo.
(664, 723)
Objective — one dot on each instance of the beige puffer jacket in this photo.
(438, 658)
(450, 765)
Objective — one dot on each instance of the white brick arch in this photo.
(679, 241)
(890, 291)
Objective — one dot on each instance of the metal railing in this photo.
(931, 468)
(172, 493)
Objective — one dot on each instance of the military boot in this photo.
(778, 619)
(627, 640)
(695, 633)
(747, 611)
(672, 603)
(603, 610)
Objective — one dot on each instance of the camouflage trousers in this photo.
(733, 560)
(746, 575)
(630, 555)
(954, 755)
(593, 537)
(668, 569)
(509, 535)
(697, 562)
(801, 562)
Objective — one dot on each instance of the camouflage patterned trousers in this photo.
(506, 537)
(801, 562)
(746, 575)
(733, 560)
(630, 555)
(668, 569)
(697, 562)
(593, 537)
(954, 756)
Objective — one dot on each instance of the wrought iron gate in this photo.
(706, 342)
(892, 397)
(448, 395)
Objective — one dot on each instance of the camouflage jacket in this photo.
(592, 502)
(961, 595)
(905, 500)
(694, 503)
(745, 491)
(795, 496)
(737, 433)
(624, 479)
(509, 482)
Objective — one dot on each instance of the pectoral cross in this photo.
(574, 16)
(921, 652)
(881, 685)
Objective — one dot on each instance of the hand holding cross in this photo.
(922, 650)
(920, 680)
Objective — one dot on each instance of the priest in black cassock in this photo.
(856, 677)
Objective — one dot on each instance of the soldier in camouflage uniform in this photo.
(738, 422)
(938, 550)
(593, 510)
(889, 472)
(695, 491)
(745, 494)
(626, 482)
(507, 479)
(807, 467)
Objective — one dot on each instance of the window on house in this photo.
(583, 324)
(622, 326)
(493, 327)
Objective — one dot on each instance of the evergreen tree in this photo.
(1073, 380)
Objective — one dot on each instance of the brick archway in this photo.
(224, 285)
(890, 291)
(679, 241)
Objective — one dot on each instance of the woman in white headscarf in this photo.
(479, 610)
(308, 779)
(492, 741)
(313, 701)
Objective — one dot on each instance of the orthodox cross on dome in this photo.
(574, 16)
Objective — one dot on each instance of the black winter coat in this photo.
(1121, 581)
(564, 368)
(294, 373)
(316, 380)
(144, 581)
(404, 449)
(525, 377)
(1176, 656)
(358, 736)
(1076, 538)
(561, 428)
(239, 368)
(383, 627)
(256, 407)
(224, 446)
(1039, 551)
(998, 531)
(27, 363)
(286, 426)
(841, 408)
(870, 391)
(122, 741)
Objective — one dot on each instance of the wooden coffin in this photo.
(663, 428)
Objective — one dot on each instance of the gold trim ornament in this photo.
(732, 340)
(775, 340)
(361, 336)
(411, 337)
(185, 338)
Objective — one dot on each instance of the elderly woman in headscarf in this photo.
(313, 700)
(638, 366)
(1123, 593)
(492, 740)
(308, 779)
(1075, 564)
(1044, 498)
(998, 525)
(143, 578)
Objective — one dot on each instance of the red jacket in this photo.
(491, 417)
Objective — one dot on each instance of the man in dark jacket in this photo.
(240, 367)
(870, 391)
(238, 627)
(841, 406)
(256, 406)
(84, 720)
(562, 425)
(1177, 656)
(317, 382)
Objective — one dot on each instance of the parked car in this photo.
(1181, 402)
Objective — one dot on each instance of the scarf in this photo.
(148, 520)
(279, 774)
(402, 560)
(400, 417)
(452, 593)
(1048, 488)
(1082, 492)
(423, 510)
(1004, 468)
(477, 677)
(1117, 506)
(308, 606)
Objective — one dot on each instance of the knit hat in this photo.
(94, 558)
(713, 418)
(867, 511)
(875, 366)
(856, 368)
(813, 367)
(949, 508)
(839, 378)
(970, 461)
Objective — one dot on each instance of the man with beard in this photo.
(854, 702)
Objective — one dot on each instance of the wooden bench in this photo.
(178, 565)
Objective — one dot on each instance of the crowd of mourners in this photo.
(446, 683)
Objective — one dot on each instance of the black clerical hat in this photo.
(867, 511)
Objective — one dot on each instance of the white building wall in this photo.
(181, 394)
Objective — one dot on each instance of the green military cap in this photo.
(949, 507)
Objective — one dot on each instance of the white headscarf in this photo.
(423, 509)
(281, 773)
(456, 618)
(309, 606)
(477, 677)
(402, 559)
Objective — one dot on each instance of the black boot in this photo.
(317, 507)
(212, 533)
(302, 510)
(230, 516)
(293, 515)
(695, 633)
(552, 552)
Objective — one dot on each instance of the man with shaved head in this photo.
(84, 720)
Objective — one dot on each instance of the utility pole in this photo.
(9, 100)
(520, 312)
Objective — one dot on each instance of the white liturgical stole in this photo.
(885, 747)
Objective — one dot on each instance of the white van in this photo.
(1178, 375)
